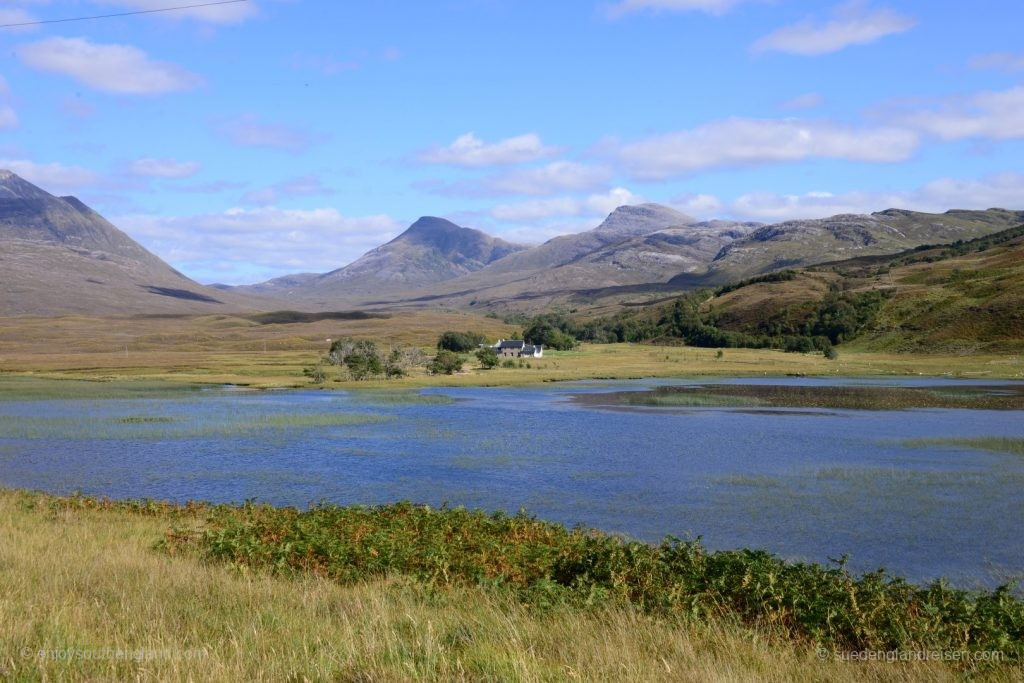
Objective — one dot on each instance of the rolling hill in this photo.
(962, 297)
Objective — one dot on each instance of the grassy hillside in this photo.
(86, 575)
(965, 297)
(959, 298)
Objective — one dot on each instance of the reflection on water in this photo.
(803, 483)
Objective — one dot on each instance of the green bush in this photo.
(445, 363)
(487, 357)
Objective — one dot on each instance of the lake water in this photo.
(804, 484)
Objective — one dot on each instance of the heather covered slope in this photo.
(806, 242)
(58, 256)
(958, 298)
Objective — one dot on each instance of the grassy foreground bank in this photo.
(266, 594)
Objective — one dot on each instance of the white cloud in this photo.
(259, 243)
(249, 131)
(704, 206)
(469, 150)
(708, 6)
(997, 115)
(537, 209)
(558, 176)
(851, 24)
(1003, 61)
(1003, 190)
(748, 142)
(110, 68)
(55, 178)
(164, 168)
(604, 204)
(212, 14)
(8, 117)
(811, 100)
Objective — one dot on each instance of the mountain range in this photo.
(58, 256)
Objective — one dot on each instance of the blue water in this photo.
(809, 485)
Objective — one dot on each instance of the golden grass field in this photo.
(232, 350)
(92, 580)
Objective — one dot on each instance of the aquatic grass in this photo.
(295, 420)
(402, 398)
(659, 398)
(209, 425)
(24, 388)
(1009, 397)
(544, 564)
(999, 444)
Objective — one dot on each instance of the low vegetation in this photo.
(114, 590)
(999, 444)
(843, 397)
(545, 565)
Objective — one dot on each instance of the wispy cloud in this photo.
(996, 115)
(119, 69)
(811, 100)
(709, 6)
(1001, 190)
(597, 205)
(1002, 61)
(247, 245)
(250, 131)
(163, 168)
(55, 178)
(303, 186)
(16, 15)
(470, 151)
(751, 142)
(851, 24)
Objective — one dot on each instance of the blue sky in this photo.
(248, 140)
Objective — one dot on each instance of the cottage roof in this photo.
(511, 344)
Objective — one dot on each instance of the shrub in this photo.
(487, 357)
(544, 563)
(363, 361)
(445, 363)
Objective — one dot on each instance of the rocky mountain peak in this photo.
(13, 186)
(640, 219)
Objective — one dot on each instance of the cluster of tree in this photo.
(815, 327)
(551, 331)
(364, 360)
(461, 342)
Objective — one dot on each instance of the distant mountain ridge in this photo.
(806, 242)
(59, 256)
